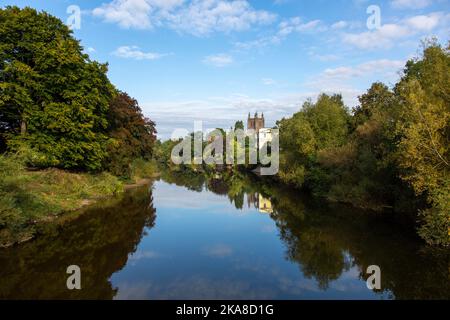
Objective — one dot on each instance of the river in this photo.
(231, 237)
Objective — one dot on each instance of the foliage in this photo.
(143, 169)
(133, 135)
(424, 148)
(53, 98)
(316, 127)
(239, 125)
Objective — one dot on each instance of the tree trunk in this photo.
(23, 128)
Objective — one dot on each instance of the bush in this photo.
(143, 169)
(435, 228)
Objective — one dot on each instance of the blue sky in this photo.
(217, 60)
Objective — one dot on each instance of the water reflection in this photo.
(223, 237)
(99, 241)
(329, 242)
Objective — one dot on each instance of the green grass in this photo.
(29, 197)
(143, 169)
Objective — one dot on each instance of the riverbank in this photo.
(29, 198)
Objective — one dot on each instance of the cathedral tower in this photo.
(256, 123)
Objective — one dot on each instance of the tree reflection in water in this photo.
(99, 241)
(324, 240)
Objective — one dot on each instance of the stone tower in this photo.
(256, 123)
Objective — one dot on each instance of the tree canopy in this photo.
(58, 104)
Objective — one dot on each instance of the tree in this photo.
(316, 127)
(239, 125)
(424, 149)
(53, 98)
(378, 101)
(133, 134)
(297, 145)
(329, 119)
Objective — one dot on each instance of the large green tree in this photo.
(318, 126)
(53, 98)
(328, 118)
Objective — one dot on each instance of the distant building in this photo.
(263, 134)
(255, 123)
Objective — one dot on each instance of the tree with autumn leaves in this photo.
(424, 130)
(58, 105)
(133, 134)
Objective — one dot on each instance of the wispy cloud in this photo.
(323, 57)
(268, 81)
(197, 17)
(285, 28)
(351, 81)
(296, 24)
(205, 17)
(365, 69)
(388, 34)
(219, 60)
(339, 25)
(410, 4)
(134, 52)
(218, 251)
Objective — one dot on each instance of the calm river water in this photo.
(192, 237)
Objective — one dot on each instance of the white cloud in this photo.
(126, 13)
(90, 50)
(424, 22)
(297, 25)
(133, 52)
(204, 17)
(268, 81)
(379, 38)
(387, 34)
(219, 60)
(410, 4)
(352, 81)
(369, 68)
(259, 43)
(198, 17)
(285, 28)
(339, 25)
(322, 57)
(165, 5)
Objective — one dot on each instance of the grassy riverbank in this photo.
(29, 197)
